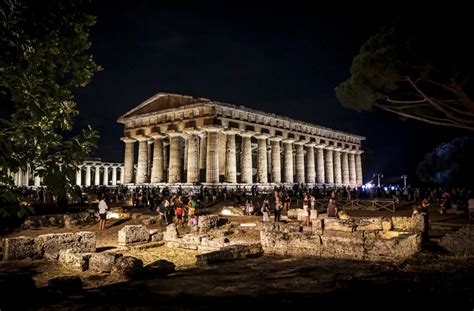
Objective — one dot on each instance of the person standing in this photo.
(278, 208)
(306, 209)
(102, 212)
(332, 209)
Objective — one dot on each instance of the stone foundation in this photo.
(61, 220)
(231, 252)
(133, 234)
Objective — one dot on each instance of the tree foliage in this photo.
(418, 69)
(44, 58)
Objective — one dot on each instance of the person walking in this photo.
(102, 212)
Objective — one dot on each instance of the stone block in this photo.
(386, 224)
(413, 223)
(49, 245)
(343, 245)
(159, 268)
(155, 236)
(232, 252)
(127, 267)
(19, 248)
(394, 249)
(70, 258)
(103, 262)
(368, 223)
(133, 234)
(338, 225)
(171, 233)
(208, 222)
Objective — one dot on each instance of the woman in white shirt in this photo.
(102, 212)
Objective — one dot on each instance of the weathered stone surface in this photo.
(126, 267)
(19, 248)
(171, 233)
(103, 262)
(159, 268)
(414, 223)
(231, 252)
(155, 235)
(368, 223)
(75, 260)
(133, 234)
(461, 242)
(232, 211)
(148, 221)
(60, 220)
(394, 249)
(214, 241)
(283, 227)
(386, 224)
(65, 285)
(342, 245)
(49, 245)
(338, 225)
(205, 223)
(297, 244)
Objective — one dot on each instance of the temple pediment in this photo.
(160, 102)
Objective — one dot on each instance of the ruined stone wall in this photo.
(359, 238)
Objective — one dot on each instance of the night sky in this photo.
(285, 62)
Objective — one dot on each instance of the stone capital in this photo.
(231, 131)
(310, 144)
(359, 151)
(142, 137)
(174, 133)
(321, 146)
(288, 140)
(300, 142)
(247, 134)
(261, 136)
(128, 139)
(276, 138)
(212, 128)
(157, 135)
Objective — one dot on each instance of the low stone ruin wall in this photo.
(231, 252)
(360, 238)
(47, 245)
(138, 234)
(61, 220)
(198, 241)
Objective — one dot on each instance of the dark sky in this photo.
(286, 62)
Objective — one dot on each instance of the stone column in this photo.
(345, 168)
(352, 169)
(202, 150)
(88, 175)
(222, 145)
(158, 165)
(26, 180)
(262, 173)
(97, 176)
(122, 175)
(337, 166)
(310, 171)
(185, 153)
(276, 159)
(128, 160)
(193, 158)
(299, 147)
(288, 150)
(19, 178)
(78, 176)
(166, 167)
(246, 158)
(174, 173)
(358, 167)
(114, 176)
(37, 181)
(212, 159)
(230, 161)
(329, 169)
(142, 167)
(106, 176)
(149, 157)
(320, 173)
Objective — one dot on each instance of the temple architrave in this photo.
(189, 140)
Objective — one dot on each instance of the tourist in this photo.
(332, 209)
(191, 210)
(249, 207)
(306, 209)
(102, 212)
(278, 208)
(313, 202)
(265, 210)
(162, 210)
(179, 215)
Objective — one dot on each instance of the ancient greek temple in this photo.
(189, 140)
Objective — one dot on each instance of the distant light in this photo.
(392, 187)
(226, 212)
(113, 215)
(385, 188)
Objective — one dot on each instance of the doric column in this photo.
(345, 168)
(299, 148)
(202, 150)
(142, 166)
(230, 160)
(128, 160)
(174, 173)
(276, 159)
(26, 180)
(37, 181)
(149, 158)
(337, 166)
(114, 176)
(310, 171)
(352, 169)
(212, 159)
(122, 175)
(288, 150)
(246, 158)
(88, 175)
(157, 166)
(97, 176)
(222, 145)
(329, 167)
(19, 178)
(78, 176)
(106, 176)
(358, 167)
(262, 173)
(320, 173)
(166, 167)
(193, 158)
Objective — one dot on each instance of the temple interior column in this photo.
(193, 158)
(230, 161)
(128, 160)
(106, 176)
(174, 173)
(222, 143)
(352, 169)
(299, 148)
(262, 173)
(288, 150)
(78, 176)
(97, 176)
(142, 167)
(246, 158)
(149, 158)
(88, 175)
(329, 169)
(114, 175)
(212, 159)
(345, 168)
(358, 167)
(337, 167)
(320, 173)
(276, 159)
(166, 168)
(157, 166)
(310, 171)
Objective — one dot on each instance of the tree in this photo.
(44, 58)
(416, 69)
(449, 164)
